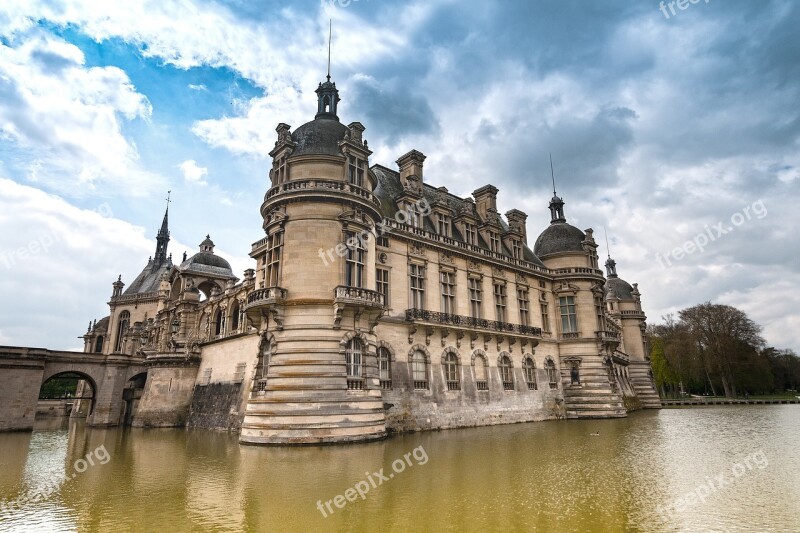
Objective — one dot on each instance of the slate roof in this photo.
(621, 288)
(559, 237)
(207, 263)
(389, 188)
(149, 279)
(320, 136)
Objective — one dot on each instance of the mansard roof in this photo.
(389, 188)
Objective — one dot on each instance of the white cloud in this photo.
(193, 173)
(66, 118)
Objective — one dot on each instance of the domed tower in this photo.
(624, 307)
(318, 379)
(585, 343)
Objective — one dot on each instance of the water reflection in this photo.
(551, 476)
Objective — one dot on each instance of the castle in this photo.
(377, 303)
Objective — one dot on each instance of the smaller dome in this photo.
(206, 262)
(621, 288)
(208, 259)
(559, 237)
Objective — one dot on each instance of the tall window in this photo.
(122, 329)
(545, 317)
(235, 316)
(569, 320)
(601, 316)
(444, 225)
(451, 372)
(282, 171)
(414, 218)
(382, 283)
(470, 234)
(480, 373)
(385, 368)
(356, 170)
(98, 344)
(516, 249)
(522, 300)
(419, 370)
(448, 283)
(274, 250)
(494, 242)
(353, 361)
(506, 372)
(354, 264)
(529, 370)
(219, 323)
(552, 374)
(417, 285)
(500, 301)
(475, 294)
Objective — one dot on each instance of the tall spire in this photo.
(611, 265)
(330, 33)
(556, 203)
(327, 94)
(162, 239)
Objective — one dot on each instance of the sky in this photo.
(675, 131)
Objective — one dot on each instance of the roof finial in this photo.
(169, 194)
(330, 32)
(552, 174)
(608, 248)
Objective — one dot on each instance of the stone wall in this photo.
(216, 406)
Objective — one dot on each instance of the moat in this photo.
(715, 468)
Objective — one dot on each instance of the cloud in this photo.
(65, 119)
(193, 173)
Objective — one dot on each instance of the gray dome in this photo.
(559, 237)
(207, 258)
(621, 288)
(320, 136)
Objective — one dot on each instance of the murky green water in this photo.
(553, 476)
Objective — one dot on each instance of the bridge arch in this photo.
(85, 400)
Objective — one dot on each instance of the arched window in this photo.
(235, 316)
(419, 370)
(552, 374)
(353, 361)
(219, 323)
(529, 369)
(385, 368)
(122, 328)
(506, 372)
(451, 376)
(481, 382)
(98, 344)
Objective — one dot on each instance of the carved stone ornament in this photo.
(446, 259)
(416, 249)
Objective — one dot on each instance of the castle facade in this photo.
(377, 303)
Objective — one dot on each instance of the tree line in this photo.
(716, 349)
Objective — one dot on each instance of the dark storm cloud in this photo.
(392, 111)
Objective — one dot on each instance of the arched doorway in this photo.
(131, 394)
(67, 394)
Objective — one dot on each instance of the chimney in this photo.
(485, 199)
(411, 165)
(516, 220)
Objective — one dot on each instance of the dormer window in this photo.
(494, 242)
(356, 171)
(470, 234)
(281, 171)
(516, 249)
(444, 226)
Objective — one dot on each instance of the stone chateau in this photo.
(377, 303)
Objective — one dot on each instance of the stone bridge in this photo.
(24, 370)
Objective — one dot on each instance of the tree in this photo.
(725, 339)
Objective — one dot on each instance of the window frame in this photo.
(568, 314)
